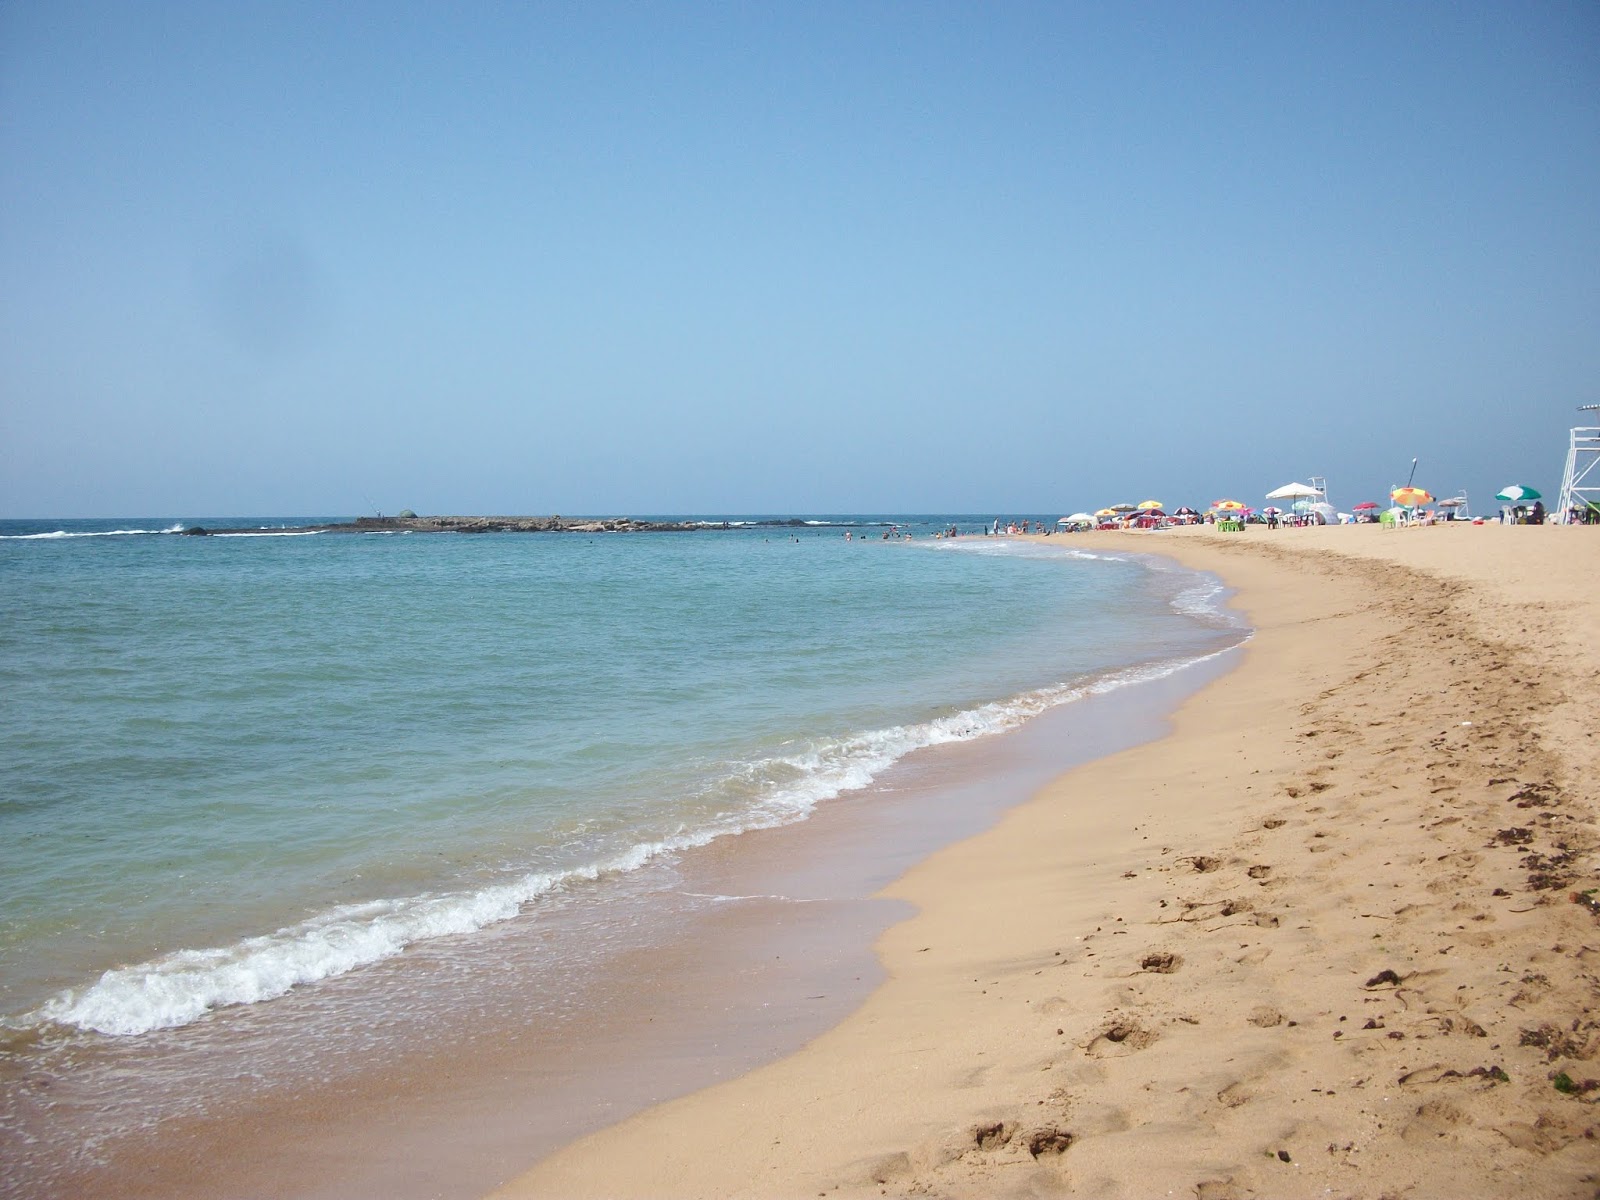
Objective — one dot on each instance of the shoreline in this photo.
(1319, 937)
(517, 1072)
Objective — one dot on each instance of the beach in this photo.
(1332, 935)
(350, 882)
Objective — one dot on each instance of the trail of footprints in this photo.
(1485, 788)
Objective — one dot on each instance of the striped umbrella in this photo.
(1410, 497)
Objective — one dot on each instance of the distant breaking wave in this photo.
(1200, 596)
(181, 987)
(62, 533)
(282, 533)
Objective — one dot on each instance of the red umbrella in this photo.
(1366, 504)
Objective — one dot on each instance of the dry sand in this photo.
(1329, 937)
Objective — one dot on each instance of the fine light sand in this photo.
(1328, 937)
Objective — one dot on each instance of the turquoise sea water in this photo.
(343, 744)
(238, 768)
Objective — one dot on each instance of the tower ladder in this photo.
(1578, 489)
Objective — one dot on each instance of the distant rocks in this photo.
(196, 531)
(417, 524)
(408, 522)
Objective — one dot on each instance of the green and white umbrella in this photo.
(1515, 493)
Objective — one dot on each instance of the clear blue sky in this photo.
(281, 258)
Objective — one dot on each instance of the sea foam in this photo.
(178, 988)
(60, 534)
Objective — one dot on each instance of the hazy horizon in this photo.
(696, 258)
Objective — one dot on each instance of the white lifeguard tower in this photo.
(1578, 490)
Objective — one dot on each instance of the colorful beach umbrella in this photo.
(1410, 497)
(1366, 506)
(1226, 506)
(1515, 493)
(1149, 504)
(1105, 512)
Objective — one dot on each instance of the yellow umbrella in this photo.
(1227, 506)
(1410, 497)
(1149, 504)
(1105, 512)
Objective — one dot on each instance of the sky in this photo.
(596, 258)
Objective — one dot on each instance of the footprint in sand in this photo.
(1234, 1095)
(1121, 1037)
(1161, 962)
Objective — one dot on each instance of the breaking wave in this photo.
(178, 988)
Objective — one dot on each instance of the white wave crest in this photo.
(181, 987)
(274, 533)
(61, 534)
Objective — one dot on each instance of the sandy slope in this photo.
(1319, 941)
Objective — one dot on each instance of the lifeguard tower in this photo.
(1578, 489)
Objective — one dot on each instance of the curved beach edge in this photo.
(1336, 931)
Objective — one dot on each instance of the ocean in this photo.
(262, 795)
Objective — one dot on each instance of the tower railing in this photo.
(1580, 485)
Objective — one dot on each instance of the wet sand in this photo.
(1333, 935)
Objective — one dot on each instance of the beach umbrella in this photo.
(1077, 518)
(1186, 511)
(1366, 506)
(1294, 491)
(1516, 493)
(1150, 505)
(1105, 512)
(1410, 497)
(1226, 506)
(1454, 502)
(1122, 508)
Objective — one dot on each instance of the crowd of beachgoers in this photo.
(1307, 505)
